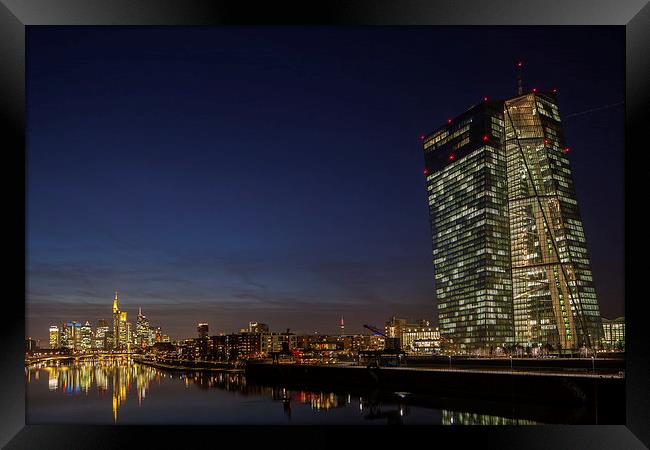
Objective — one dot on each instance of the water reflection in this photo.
(465, 418)
(122, 380)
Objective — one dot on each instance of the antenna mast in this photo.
(520, 83)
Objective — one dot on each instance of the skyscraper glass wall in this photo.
(509, 250)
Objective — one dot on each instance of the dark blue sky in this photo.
(275, 174)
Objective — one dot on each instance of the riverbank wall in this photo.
(486, 385)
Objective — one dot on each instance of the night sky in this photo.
(243, 174)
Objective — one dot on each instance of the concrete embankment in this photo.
(189, 365)
(585, 365)
(488, 385)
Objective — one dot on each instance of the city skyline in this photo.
(277, 209)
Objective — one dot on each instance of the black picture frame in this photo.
(16, 15)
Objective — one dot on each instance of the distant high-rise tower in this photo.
(54, 337)
(342, 326)
(119, 326)
(142, 330)
(202, 330)
(71, 335)
(86, 337)
(125, 331)
(101, 332)
(509, 251)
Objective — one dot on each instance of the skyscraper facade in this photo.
(101, 335)
(121, 330)
(116, 324)
(509, 251)
(71, 335)
(554, 297)
(86, 337)
(202, 330)
(141, 330)
(54, 337)
(125, 331)
(465, 169)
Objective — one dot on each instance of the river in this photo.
(120, 391)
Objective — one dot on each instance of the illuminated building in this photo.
(509, 251)
(249, 345)
(117, 331)
(277, 341)
(219, 347)
(30, 344)
(415, 337)
(124, 330)
(202, 330)
(420, 339)
(255, 327)
(54, 337)
(129, 334)
(63, 336)
(142, 335)
(70, 335)
(394, 327)
(467, 194)
(101, 332)
(152, 336)
(553, 291)
(85, 337)
(614, 333)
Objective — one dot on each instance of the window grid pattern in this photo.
(553, 295)
(468, 207)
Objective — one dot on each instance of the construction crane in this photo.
(390, 343)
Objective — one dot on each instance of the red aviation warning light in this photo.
(421, 137)
(485, 99)
(520, 64)
(566, 150)
(546, 142)
(451, 157)
(555, 90)
(449, 120)
(425, 171)
(535, 90)
(485, 138)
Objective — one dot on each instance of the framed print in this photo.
(288, 223)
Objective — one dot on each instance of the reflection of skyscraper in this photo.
(465, 418)
(508, 245)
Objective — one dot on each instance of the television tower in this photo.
(520, 83)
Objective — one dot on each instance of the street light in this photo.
(450, 361)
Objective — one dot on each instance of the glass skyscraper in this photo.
(509, 252)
